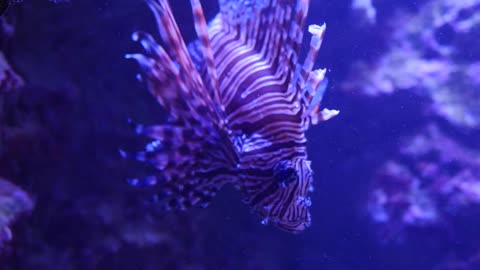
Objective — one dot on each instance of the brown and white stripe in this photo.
(241, 104)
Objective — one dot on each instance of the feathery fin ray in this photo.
(192, 154)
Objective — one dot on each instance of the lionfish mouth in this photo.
(238, 99)
(294, 227)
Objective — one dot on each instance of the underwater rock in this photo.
(13, 202)
(433, 53)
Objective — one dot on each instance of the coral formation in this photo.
(9, 79)
(428, 186)
(13, 202)
(432, 179)
(431, 53)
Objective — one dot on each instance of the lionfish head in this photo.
(286, 203)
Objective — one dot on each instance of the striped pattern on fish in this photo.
(240, 104)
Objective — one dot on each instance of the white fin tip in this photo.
(328, 114)
(317, 30)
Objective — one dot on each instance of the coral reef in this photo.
(430, 190)
(433, 179)
(366, 10)
(431, 53)
(13, 202)
(9, 80)
(427, 187)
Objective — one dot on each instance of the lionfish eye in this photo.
(284, 173)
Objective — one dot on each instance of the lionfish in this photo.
(239, 105)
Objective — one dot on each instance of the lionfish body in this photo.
(239, 106)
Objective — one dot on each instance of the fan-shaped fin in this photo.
(171, 73)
